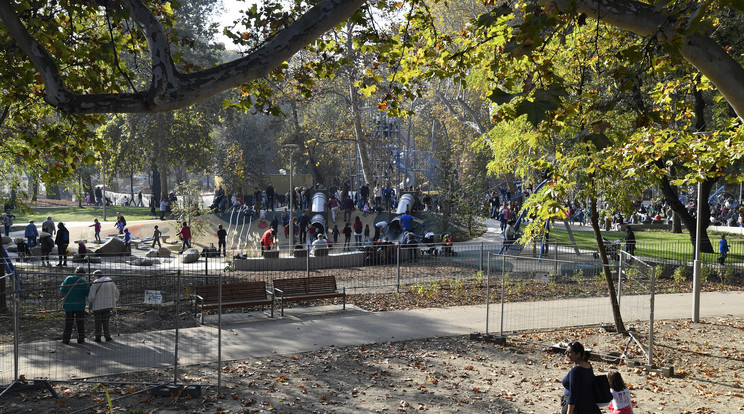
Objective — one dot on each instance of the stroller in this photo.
(24, 252)
(430, 244)
(611, 248)
(447, 249)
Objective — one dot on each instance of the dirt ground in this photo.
(437, 375)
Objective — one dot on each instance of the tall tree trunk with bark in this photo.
(156, 184)
(594, 219)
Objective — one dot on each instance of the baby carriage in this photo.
(23, 251)
(430, 244)
(447, 249)
(611, 248)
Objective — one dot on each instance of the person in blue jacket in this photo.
(31, 234)
(75, 290)
(723, 249)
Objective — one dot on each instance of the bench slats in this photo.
(234, 295)
(299, 289)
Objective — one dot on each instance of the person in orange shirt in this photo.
(268, 239)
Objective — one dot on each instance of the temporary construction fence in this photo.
(154, 325)
(568, 297)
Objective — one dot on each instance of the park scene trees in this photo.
(607, 106)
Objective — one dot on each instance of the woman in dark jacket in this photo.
(578, 396)
(62, 241)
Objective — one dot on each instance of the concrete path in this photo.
(308, 329)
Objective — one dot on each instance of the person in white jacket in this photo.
(102, 301)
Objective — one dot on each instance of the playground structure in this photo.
(393, 154)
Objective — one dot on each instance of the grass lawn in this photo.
(84, 214)
(659, 244)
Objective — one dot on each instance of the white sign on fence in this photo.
(153, 297)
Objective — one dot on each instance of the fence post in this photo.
(397, 268)
(219, 334)
(175, 350)
(503, 289)
(480, 266)
(307, 262)
(620, 271)
(488, 276)
(651, 317)
(555, 254)
(206, 263)
(16, 322)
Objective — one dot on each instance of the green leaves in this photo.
(540, 103)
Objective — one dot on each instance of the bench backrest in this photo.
(304, 285)
(233, 291)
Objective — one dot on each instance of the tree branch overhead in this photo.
(170, 89)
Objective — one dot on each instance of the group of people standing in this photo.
(100, 297)
(50, 236)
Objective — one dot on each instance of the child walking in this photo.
(97, 228)
(621, 403)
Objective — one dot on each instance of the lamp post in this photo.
(291, 147)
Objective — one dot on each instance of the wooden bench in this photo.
(234, 295)
(307, 288)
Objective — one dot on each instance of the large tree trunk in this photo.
(671, 196)
(594, 219)
(164, 184)
(361, 141)
(156, 184)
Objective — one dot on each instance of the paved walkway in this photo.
(308, 329)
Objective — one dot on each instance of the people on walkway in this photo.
(47, 245)
(723, 249)
(348, 207)
(358, 228)
(102, 299)
(75, 290)
(578, 394)
(97, 229)
(185, 234)
(31, 233)
(62, 241)
(8, 222)
(334, 205)
(221, 240)
(48, 226)
(347, 236)
(156, 238)
(270, 195)
(163, 208)
(303, 222)
(99, 196)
